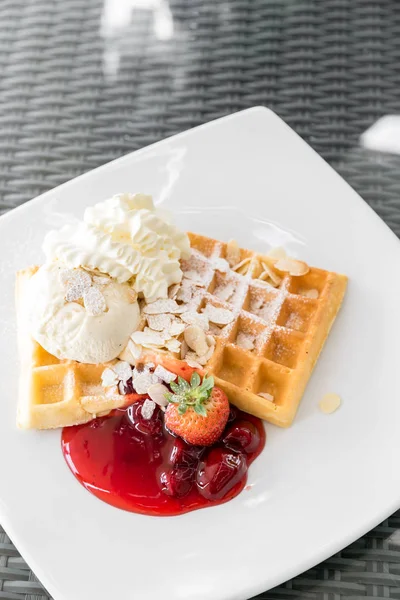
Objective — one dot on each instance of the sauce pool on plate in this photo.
(137, 465)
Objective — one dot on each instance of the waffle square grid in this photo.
(289, 328)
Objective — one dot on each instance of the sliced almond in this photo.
(265, 284)
(210, 339)
(173, 290)
(243, 270)
(109, 377)
(148, 338)
(273, 276)
(67, 276)
(292, 266)
(204, 358)
(165, 305)
(148, 408)
(277, 252)
(77, 281)
(190, 359)
(313, 293)
(94, 301)
(266, 396)
(131, 353)
(239, 266)
(232, 252)
(329, 403)
(101, 280)
(127, 356)
(173, 345)
(196, 339)
(184, 349)
(194, 358)
(123, 370)
(181, 308)
(157, 392)
(263, 276)
(159, 322)
(219, 316)
(176, 328)
(164, 374)
(185, 293)
(143, 381)
(195, 318)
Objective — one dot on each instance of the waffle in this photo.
(52, 392)
(289, 328)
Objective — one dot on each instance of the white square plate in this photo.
(317, 486)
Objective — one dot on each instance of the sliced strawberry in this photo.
(179, 367)
(197, 411)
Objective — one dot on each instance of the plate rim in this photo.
(316, 556)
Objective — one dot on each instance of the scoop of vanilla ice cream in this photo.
(127, 238)
(67, 330)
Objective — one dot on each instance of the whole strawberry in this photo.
(197, 411)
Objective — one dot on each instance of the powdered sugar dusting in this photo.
(230, 291)
(245, 340)
(220, 264)
(225, 290)
(232, 305)
(294, 322)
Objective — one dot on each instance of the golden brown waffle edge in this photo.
(289, 339)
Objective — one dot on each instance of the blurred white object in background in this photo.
(116, 29)
(383, 135)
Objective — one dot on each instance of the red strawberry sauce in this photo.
(139, 466)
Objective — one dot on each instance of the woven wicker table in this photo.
(85, 81)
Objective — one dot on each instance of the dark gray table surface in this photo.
(85, 81)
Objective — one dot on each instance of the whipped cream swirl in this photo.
(126, 238)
